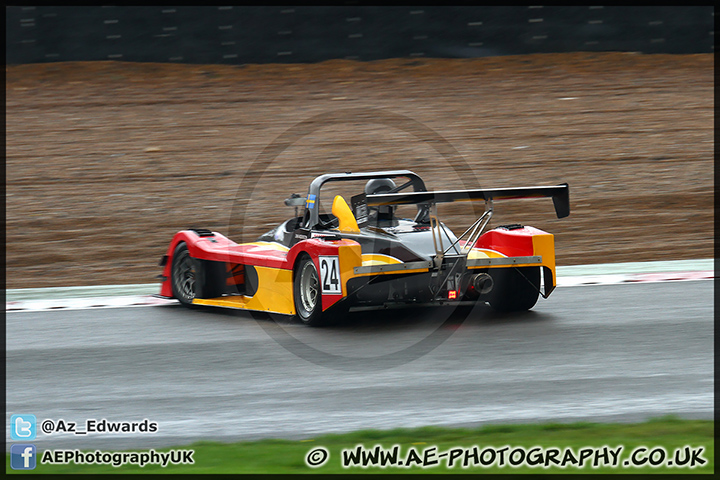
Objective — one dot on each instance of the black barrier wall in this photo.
(236, 35)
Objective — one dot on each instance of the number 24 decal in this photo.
(330, 275)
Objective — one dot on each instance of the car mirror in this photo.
(295, 200)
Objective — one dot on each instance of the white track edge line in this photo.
(91, 303)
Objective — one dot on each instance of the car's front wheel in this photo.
(195, 278)
(183, 275)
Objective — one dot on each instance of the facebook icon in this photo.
(22, 456)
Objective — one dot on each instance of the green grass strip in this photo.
(666, 434)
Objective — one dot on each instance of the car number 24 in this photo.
(330, 275)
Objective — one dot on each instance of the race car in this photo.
(324, 261)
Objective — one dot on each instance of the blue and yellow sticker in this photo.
(311, 202)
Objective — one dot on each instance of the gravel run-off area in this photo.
(107, 160)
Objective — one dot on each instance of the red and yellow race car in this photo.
(367, 253)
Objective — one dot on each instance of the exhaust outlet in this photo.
(483, 283)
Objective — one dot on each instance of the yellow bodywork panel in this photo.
(374, 259)
(378, 259)
(350, 257)
(340, 209)
(271, 245)
(545, 245)
(476, 253)
(275, 293)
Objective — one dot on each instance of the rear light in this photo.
(452, 294)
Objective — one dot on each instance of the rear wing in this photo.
(560, 195)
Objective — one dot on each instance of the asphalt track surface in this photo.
(599, 353)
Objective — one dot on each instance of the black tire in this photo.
(514, 289)
(194, 278)
(307, 294)
(183, 275)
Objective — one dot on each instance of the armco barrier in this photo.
(239, 35)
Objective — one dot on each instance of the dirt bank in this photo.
(107, 160)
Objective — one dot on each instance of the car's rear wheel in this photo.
(514, 289)
(307, 293)
(183, 275)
